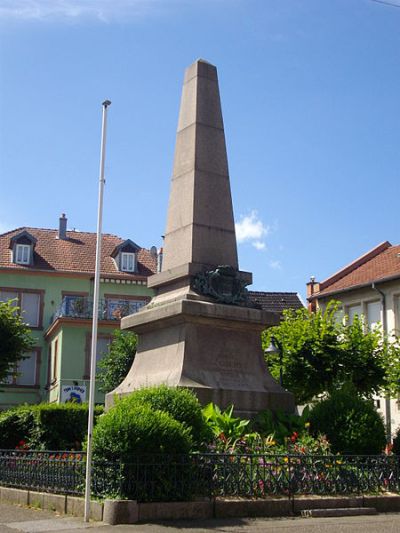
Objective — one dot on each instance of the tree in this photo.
(320, 353)
(15, 339)
(117, 362)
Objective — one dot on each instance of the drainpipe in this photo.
(387, 395)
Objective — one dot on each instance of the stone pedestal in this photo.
(213, 349)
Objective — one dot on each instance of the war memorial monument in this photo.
(200, 331)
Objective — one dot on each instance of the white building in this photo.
(369, 286)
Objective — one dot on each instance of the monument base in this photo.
(213, 349)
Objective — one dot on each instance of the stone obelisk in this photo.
(199, 331)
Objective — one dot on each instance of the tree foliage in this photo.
(320, 353)
(15, 339)
(117, 362)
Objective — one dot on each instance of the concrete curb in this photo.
(52, 502)
(130, 512)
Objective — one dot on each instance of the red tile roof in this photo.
(380, 263)
(76, 254)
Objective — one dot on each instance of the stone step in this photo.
(340, 511)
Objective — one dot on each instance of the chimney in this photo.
(62, 227)
(312, 288)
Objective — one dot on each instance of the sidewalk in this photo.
(14, 519)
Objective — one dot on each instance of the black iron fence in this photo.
(47, 471)
(183, 477)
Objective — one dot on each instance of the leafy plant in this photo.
(15, 339)
(223, 422)
(282, 425)
(351, 424)
(319, 353)
(115, 365)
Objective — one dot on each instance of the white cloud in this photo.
(259, 245)
(103, 10)
(275, 265)
(251, 228)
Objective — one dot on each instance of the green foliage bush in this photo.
(223, 423)
(125, 441)
(180, 404)
(128, 430)
(280, 424)
(45, 426)
(115, 365)
(15, 339)
(351, 424)
(16, 424)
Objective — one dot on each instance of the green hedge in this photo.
(124, 441)
(126, 431)
(181, 404)
(45, 426)
(351, 424)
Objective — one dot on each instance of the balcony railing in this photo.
(81, 307)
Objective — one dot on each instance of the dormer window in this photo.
(128, 262)
(22, 254)
(125, 256)
(22, 246)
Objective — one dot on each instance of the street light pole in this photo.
(92, 382)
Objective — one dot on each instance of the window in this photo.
(55, 360)
(26, 371)
(22, 254)
(373, 314)
(353, 311)
(102, 348)
(127, 262)
(28, 302)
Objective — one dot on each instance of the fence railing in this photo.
(172, 477)
(48, 471)
(81, 307)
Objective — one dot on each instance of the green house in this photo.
(50, 275)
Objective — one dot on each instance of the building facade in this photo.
(369, 286)
(50, 276)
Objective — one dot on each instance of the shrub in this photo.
(115, 365)
(45, 426)
(15, 426)
(224, 423)
(280, 424)
(181, 404)
(351, 424)
(128, 430)
(126, 442)
(60, 426)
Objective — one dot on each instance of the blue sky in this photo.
(310, 97)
